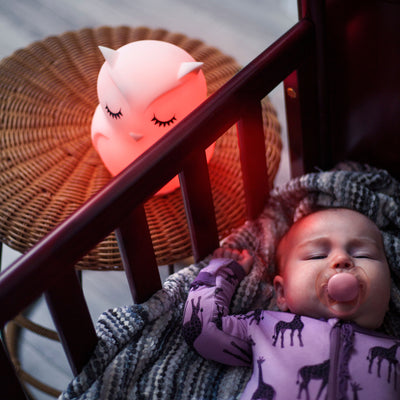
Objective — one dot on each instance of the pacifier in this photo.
(342, 290)
(343, 287)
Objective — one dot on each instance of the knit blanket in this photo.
(141, 353)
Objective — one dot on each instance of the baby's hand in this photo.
(243, 258)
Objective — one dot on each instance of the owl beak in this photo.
(135, 136)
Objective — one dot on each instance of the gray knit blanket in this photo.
(141, 353)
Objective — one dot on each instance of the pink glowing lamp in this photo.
(144, 88)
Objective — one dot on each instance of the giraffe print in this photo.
(355, 387)
(309, 372)
(263, 391)
(295, 325)
(231, 278)
(218, 318)
(192, 329)
(255, 316)
(383, 353)
(242, 354)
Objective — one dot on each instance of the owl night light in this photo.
(144, 88)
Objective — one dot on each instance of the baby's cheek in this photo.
(375, 306)
(296, 298)
(303, 299)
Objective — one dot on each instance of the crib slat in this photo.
(10, 386)
(252, 157)
(199, 206)
(137, 255)
(70, 313)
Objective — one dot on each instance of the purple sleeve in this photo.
(207, 326)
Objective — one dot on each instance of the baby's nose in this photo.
(342, 261)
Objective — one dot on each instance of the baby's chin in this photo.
(349, 312)
(323, 311)
(318, 311)
(366, 320)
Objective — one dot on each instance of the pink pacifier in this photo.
(342, 290)
(343, 287)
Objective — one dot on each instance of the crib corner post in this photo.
(307, 99)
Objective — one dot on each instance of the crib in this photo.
(339, 65)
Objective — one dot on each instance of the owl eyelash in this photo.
(113, 115)
(163, 123)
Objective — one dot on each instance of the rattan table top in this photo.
(48, 167)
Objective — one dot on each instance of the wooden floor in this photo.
(240, 28)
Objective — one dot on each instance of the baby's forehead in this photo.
(324, 221)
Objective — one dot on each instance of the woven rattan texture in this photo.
(48, 167)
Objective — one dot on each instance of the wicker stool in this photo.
(48, 167)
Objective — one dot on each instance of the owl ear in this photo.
(110, 55)
(188, 67)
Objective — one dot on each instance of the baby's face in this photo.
(334, 242)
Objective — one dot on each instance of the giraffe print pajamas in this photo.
(292, 356)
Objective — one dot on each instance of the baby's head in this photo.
(338, 243)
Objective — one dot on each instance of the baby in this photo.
(333, 282)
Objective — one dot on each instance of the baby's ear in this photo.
(280, 293)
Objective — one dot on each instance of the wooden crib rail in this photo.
(48, 266)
